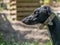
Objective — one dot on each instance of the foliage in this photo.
(48, 43)
(57, 0)
(13, 42)
(1, 9)
(2, 41)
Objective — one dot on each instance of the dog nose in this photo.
(25, 20)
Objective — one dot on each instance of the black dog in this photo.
(40, 15)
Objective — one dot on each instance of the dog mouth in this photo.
(28, 22)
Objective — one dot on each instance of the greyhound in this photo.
(44, 15)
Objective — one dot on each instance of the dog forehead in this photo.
(39, 10)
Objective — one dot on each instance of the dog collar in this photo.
(48, 21)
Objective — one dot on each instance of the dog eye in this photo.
(36, 12)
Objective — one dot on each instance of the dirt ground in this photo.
(14, 29)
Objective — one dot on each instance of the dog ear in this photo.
(48, 9)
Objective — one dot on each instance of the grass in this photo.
(13, 42)
(48, 43)
(1, 9)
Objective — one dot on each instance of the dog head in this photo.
(38, 16)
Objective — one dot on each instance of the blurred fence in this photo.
(13, 9)
(26, 7)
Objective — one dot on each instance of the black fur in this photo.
(55, 31)
(39, 16)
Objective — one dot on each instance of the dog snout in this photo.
(25, 20)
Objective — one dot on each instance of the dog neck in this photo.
(48, 21)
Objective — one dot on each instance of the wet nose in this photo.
(25, 20)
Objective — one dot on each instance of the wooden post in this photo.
(13, 9)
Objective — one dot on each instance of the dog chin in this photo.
(28, 23)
